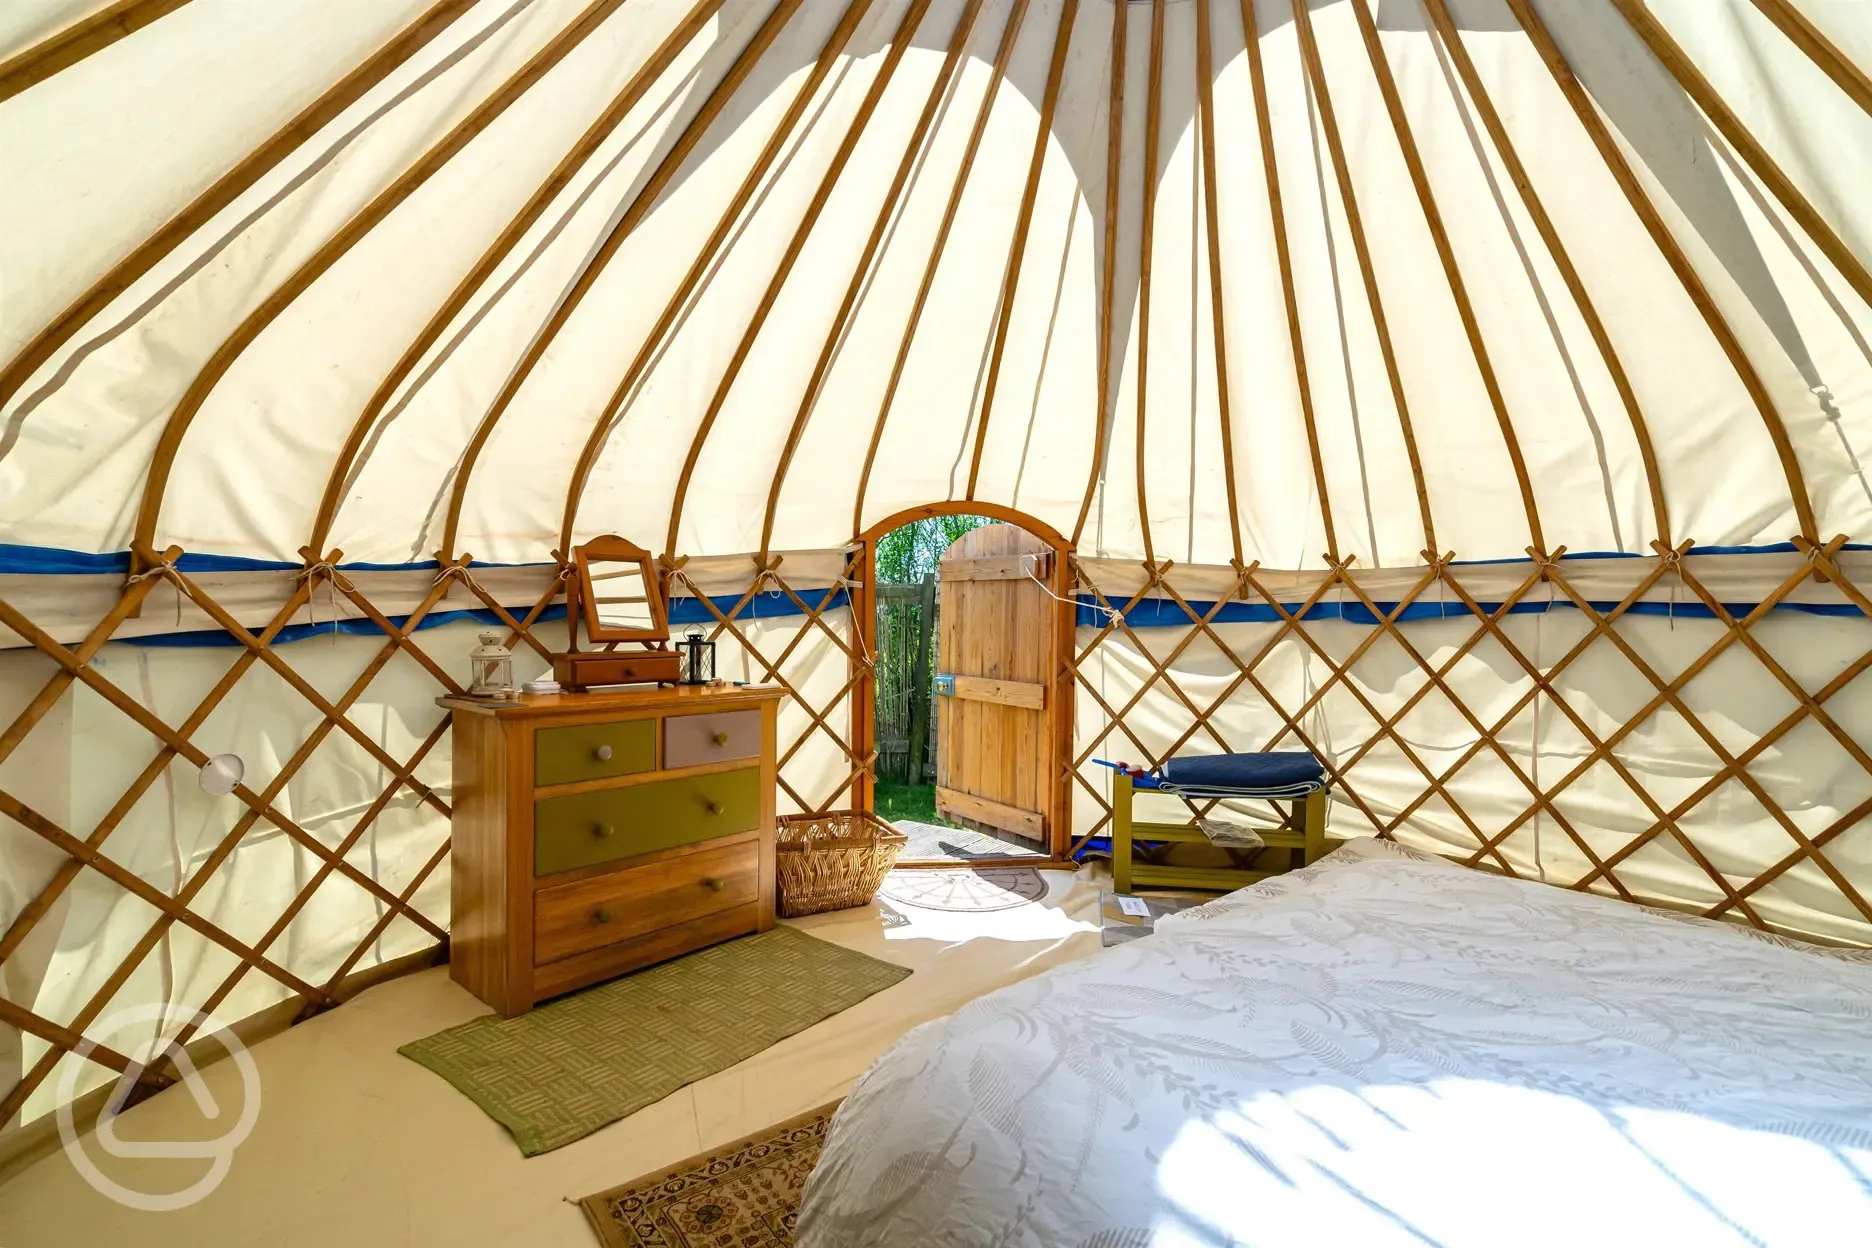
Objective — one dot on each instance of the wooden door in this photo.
(994, 644)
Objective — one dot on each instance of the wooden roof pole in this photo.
(1205, 107)
(1361, 249)
(1667, 245)
(705, 257)
(337, 246)
(1114, 169)
(899, 44)
(1517, 173)
(1009, 33)
(1153, 120)
(1472, 329)
(1820, 50)
(338, 480)
(958, 43)
(640, 207)
(226, 189)
(65, 49)
(1062, 38)
(1698, 88)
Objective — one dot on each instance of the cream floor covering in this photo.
(357, 1146)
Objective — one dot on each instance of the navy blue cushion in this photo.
(1276, 770)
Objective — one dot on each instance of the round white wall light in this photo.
(220, 774)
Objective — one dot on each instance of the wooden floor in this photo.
(357, 1146)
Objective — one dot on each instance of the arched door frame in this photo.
(1059, 687)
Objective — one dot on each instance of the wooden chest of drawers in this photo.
(595, 833)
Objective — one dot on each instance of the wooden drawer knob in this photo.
(601, 915)
(603, 753)
(715, 884)
(714, 808)
(721, 738)
(603, 831)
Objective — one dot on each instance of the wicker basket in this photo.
(833, 861)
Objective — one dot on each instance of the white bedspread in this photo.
(1378, 1050)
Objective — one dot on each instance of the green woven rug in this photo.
(562, 1071)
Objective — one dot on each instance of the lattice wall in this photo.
(218, 931)
(1698, 757)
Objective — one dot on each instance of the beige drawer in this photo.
(690, 740)
(584, 829)
(593, 751)
(589, 914)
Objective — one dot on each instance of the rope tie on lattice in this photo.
(461, 572)
(1030, 560)
(845, 584)
(1322, 726)
(327, 571)
(1673, 562)
(1441, 565)
(1546, 565)
(768, 577)
(160, 568)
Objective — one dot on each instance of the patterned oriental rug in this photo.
(745, 1194)
(560, 1072)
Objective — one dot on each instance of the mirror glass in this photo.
(618, 590)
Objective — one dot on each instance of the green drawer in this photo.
(588, 828)
(593, 751)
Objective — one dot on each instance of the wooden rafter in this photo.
(913, 148)
(1673, 253)
(1023, 219)
(1342, 174)
(338, 479)
(335, 248)
(640, 207)
(1446, 254)
(1016, 17)
(79, 40)
(880, 83)
(1205, 115)
(226, 189)
(1543, 224)
(1684, 71)
(706, 255)
(1153, 121)
(1821, 50)
(1108, 268)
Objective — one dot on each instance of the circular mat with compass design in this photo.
(969, 891)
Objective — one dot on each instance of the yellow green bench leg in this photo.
(1313, 822)
(1121, 832)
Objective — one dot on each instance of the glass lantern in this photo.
(698, 665)
(490, 665)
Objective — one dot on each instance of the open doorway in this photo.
(962, 704)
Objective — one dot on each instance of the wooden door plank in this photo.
(1028, 823)
(1015, 567)
(1021, 693)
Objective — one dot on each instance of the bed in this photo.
(1382, 1048)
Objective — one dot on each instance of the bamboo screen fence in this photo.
(905, 659)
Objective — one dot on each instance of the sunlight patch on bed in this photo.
(1322, 1164)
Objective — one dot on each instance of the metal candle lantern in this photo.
(698, 658)
(490, 668)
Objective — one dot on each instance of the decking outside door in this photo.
(995, 644)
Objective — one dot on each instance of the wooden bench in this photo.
(1304, 830)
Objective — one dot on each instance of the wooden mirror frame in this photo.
(614, 549)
